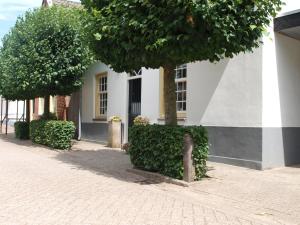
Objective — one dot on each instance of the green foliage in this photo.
(22, 130)
(59, 134)
(151, 33)
(38, 131)
(51, 116)
(159, 148)
(45, 53)
(55, 134)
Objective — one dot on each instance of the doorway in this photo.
(135, 96)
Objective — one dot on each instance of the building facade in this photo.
(249, 104)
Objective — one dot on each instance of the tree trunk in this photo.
(170, 95)
(28, 110)
(47, 106)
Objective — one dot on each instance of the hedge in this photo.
(159, 148)
(55, 134)
(22, 130)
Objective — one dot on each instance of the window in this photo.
(181, 91)
(180, 80)
(101, 95)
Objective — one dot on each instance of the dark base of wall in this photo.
(97, 132)
(236, 162)
(244, 146)
(240, 146)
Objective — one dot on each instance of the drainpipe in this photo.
(1, 113)
(79, 116)
(6, 115)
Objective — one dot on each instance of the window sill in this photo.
(182, 119)
(100, 119)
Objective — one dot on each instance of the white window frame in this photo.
(101, 102)
(182, 79)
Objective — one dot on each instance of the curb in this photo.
(158, 177)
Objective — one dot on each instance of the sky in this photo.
(11, 9)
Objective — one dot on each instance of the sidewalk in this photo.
(90, 186)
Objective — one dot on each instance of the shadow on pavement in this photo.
(105, 162)
(92, 157)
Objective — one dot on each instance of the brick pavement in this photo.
(90, 186)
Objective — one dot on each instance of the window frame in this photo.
(183, 80)
(98, 93)
(181, 115)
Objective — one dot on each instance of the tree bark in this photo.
(47, 106)
(28, 110)
(170, 95)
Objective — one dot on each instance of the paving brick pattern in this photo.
(90, 186)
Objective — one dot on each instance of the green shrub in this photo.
(38, 131)
(22, 130)
(159, 148)
(59, 134)
(52, 133)
(51, 116)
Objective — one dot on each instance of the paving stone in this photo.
(90, 185)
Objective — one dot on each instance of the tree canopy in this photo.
(13, 86)
(130, 34)
(44, 54)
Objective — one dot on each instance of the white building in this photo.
(14, 111)
(250, 104)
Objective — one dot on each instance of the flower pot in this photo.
(114, 134)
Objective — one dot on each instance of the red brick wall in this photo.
(35, 113)
(60, 106)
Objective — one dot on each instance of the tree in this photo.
(130, 34)
(49, 54)
(13, 84)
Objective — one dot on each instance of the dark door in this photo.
(135, 92)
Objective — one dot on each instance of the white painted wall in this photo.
(117, 94)
(251, 90)
(150, 94)
(281, 81)
(88, 92)
(118, 97)
(227, 93)
(13, 109)
(290, 5)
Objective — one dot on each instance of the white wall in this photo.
(13, 109)
(117, 95)
(281, 92)
(239, 92)
(227, 93)
(150, 94)
(88, 92)
(281, 81)
(290, 5)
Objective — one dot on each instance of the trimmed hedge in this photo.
(22, 130)
(52, 133)
(159, 148)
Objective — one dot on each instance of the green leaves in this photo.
(130, 34)
(45, 53)
(21, 130)
(55, 134)
(160, 149)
